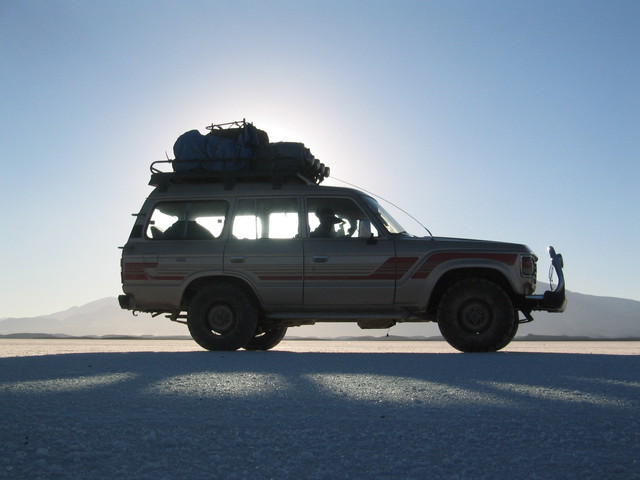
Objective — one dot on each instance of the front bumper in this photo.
(551, 300)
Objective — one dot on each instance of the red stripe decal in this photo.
(432, 261)
(392, 269)
(139, 271)
(290, 278)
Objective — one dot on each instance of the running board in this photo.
(366, 320)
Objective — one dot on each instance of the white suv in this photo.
(240, 262)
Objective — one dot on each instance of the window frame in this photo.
(362, 207)
(257, 211)
(185, 216)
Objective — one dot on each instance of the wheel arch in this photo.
(200, 282)
(453, 276)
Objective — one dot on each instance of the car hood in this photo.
(470, 243)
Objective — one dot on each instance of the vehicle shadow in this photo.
(319, 415)
(510, 379)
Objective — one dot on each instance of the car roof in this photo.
(246, 188)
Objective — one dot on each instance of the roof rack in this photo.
(219, 126)
(230, 171)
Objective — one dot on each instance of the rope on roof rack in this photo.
(219, 126)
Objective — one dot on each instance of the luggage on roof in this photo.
(238, 151)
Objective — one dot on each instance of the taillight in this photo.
(527, 266)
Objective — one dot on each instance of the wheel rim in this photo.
(220, 318)
(475, 317)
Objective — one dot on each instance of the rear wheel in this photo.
(222, 317)
(267, 338)
(477, 315)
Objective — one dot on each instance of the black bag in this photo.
(290, 159)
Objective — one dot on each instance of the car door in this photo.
(348, 261)
(265, 249)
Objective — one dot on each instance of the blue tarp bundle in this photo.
(216, 151)
(245, 150)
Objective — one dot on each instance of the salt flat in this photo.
(30, 347)
(155, 409)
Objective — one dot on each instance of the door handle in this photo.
(237, 259)
(320, 258)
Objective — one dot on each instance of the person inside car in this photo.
(327, 221)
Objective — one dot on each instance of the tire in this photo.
(222, 317)
(477, 315)
(266, 339)
(514, 330)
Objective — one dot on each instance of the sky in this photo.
(505, 120)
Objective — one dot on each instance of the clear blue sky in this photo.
(508, 120)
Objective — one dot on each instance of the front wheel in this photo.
(222, 317)
(477, 315)
(266, 339)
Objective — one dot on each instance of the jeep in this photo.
(240, 262)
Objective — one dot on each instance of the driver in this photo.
(327, 220)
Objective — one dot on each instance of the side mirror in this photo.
(364, 228)
(372, 240)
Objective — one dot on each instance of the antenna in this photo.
(387, 201)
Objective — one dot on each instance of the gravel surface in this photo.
(77, 409)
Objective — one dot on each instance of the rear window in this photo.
(184, 220)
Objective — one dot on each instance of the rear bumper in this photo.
(126, 302)
(551, 300)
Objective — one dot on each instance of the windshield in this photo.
(387, 220)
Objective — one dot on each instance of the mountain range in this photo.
(587, 316)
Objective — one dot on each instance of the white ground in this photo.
(78, 409)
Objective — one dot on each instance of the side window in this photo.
(187, 220)
(338, 218)
(273, 218)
